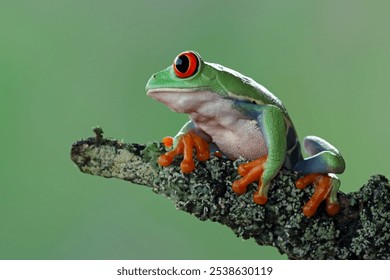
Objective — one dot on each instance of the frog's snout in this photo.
(149, 83)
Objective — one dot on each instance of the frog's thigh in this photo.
(324, 158)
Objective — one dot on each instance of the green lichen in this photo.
(360, 231)
(372, 239)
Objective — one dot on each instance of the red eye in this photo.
(186, 64)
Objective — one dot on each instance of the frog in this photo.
(232, 116)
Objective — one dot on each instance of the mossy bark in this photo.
(361, 230)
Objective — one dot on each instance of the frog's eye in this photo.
(186, 64)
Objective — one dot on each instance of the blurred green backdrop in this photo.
(68, 65)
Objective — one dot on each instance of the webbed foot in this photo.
(185, 145)
(250, 172)
(326, 186)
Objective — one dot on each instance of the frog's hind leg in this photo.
(324, 158)
(319, 169)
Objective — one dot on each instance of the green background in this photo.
(68, 65)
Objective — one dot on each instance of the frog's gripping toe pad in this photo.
(326, 187)
(185, 146)
(260, 199)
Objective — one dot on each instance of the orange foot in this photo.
(323, 187)
(251, 172)
(185, 146)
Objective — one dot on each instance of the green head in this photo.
(190, 74)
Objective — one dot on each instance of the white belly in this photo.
(245, 140)
(233, 133)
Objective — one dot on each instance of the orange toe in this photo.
(260, 199)
(165, 160)
(167, 141)
(309, 209)
(239, 187)
(323, 187)
(303, 182)
(186, 145)
(332, 208)
(201, 147)
(187, 166)
(244, 168)
(251, 172)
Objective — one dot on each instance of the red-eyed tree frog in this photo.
(233, 116)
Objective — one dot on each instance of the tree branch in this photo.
(361, 230)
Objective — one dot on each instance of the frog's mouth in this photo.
(182, 100)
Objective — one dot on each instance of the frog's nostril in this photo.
(154, 76)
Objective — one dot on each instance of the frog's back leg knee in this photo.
(324, 158)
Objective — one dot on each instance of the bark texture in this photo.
(361, 230)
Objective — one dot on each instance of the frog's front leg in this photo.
(183, 143)
(273, 128)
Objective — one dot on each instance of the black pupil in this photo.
(182, 63)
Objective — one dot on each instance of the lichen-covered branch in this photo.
(360, 231)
